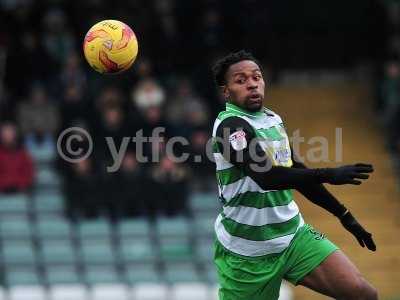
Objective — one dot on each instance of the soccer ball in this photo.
(110, 47)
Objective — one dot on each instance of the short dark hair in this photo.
(222, 65)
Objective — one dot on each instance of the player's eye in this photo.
(257, 77)
(240, 80)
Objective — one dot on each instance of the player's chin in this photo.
(254, 104)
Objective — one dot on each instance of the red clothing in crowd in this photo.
(16, 169)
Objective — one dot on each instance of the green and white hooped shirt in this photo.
(255, 222)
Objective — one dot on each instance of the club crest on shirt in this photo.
(238, 140)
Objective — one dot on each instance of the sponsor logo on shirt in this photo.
(238, 140)
(282, 155)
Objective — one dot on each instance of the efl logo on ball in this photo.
(110, 47)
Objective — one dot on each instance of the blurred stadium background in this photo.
(74, 231)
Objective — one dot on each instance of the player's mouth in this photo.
(255, 98)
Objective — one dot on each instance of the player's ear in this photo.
(224, 91)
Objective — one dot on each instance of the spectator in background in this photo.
(58, 40)
(7, 105)
(112, 125)
(153, 124)
(42, 147)
(132, 187)
(169, 187)
(391, 101)
(74, 106)
(199, 135)
(72, 73)
(72, 84)
(148, 93)
(82, 190)
(38, 115)
(211, 30)
(198, 142)
(189, 117)
(110, 96)
(16, 167)
(148, 98)
(391, 90)
(28, 54)
(185, 109)
(144, 69)
(167, 34)
(108, 119)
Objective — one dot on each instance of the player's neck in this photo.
(234, 107)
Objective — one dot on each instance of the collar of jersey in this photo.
(235, 108)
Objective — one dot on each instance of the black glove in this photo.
(345, 174)
(362, 236)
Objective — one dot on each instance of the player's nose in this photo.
(252, 84)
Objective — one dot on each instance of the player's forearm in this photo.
(281, 178)
(319, 195)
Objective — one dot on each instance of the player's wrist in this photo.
(322, 175)
(339, 210)
(347, 218)
(343, 213)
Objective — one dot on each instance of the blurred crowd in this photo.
(136, 188)
(388, 92)
(54, 89)
(46, 87)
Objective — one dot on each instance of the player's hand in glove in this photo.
(346, 174)
(362, 236)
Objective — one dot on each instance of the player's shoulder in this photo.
(272, 114)
(232, 123)
(225, 114)
(227, 119)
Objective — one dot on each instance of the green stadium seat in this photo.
(205, 251)
(62, 275)
(25, 292)
(175, 249)
(204, 226)
(133, 228)
(97, 252)
(204, 202)
(94, 229)
(15, 228)
(103, 274)
(181, 273)
(117, 291)
(68, 292)
(206, 214)
(22, 276)
(13, 204)
(53, 228)
(46, 176)
(210, 274)
(137, 250)
(43, 155)
(139, 273)
(18, 253)
(48, 202)
(58, 252)
(178, 226)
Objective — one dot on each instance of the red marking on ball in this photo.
(127, 35)
(111, 66)
(91, 35)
